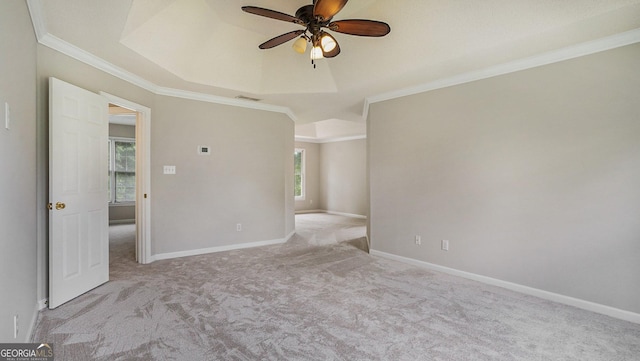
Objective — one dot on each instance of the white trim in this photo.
(124, 139)
(352, 215)
(570, 52)
(365, 110)
(84, 56)
(122, 221)
(37, 18)
(288, 237)
(143, 175)
(32, 323)
(231, 247)
(555, 297)
(311, 211)
(304, 139)
(209, 98)
(42, 304)
(123, 204)
(53, 42)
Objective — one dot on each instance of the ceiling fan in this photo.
(315, 18)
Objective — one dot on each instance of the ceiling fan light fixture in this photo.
(316, 53)
(314, 18)
(300, 45)
(328, 43)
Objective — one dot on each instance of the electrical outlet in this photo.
(169, 169)
(418, 240)
(239, 227)
(445, 245)
(15, 326)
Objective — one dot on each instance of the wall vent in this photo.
(247, 98)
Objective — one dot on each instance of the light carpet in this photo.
(317, 297)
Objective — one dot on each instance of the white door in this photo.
(79, 215)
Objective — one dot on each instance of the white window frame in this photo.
(303, 176)
(112, 173)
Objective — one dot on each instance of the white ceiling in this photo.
(211, 46)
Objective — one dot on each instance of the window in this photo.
(298, 166)
(122, 170)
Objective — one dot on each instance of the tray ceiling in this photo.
(211, 46)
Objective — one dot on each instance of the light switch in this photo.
(169, 169)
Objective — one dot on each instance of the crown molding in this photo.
(84, 56)
(570, 52)
(365, 109)
(37, 18)
(55, 43)
(210, 98)
(328, 140)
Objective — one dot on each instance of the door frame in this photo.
(143, 176)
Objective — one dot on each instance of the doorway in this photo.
(142, 214)
(122, 182)
(78, 208)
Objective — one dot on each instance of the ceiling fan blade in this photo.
(360, 27)
(280, 39)
(326, 9)
(271, 14)
(335, 51)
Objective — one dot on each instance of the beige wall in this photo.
(245, 180)
(289, 204)
(533, 177)
(343, 177)
(242, 181)
(336, 176)
(312, 177)
(18, 280)
(122, 131)
(121, 213)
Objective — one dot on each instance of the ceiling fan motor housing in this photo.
(305, 13)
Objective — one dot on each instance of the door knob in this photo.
(60, 205)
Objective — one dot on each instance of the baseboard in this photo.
(311, 211)
(122, 221)
(196, 252)
(555, 297)
(347, 214)
(32, 323)
(332, 212)
(42, 304)
(288, 237)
